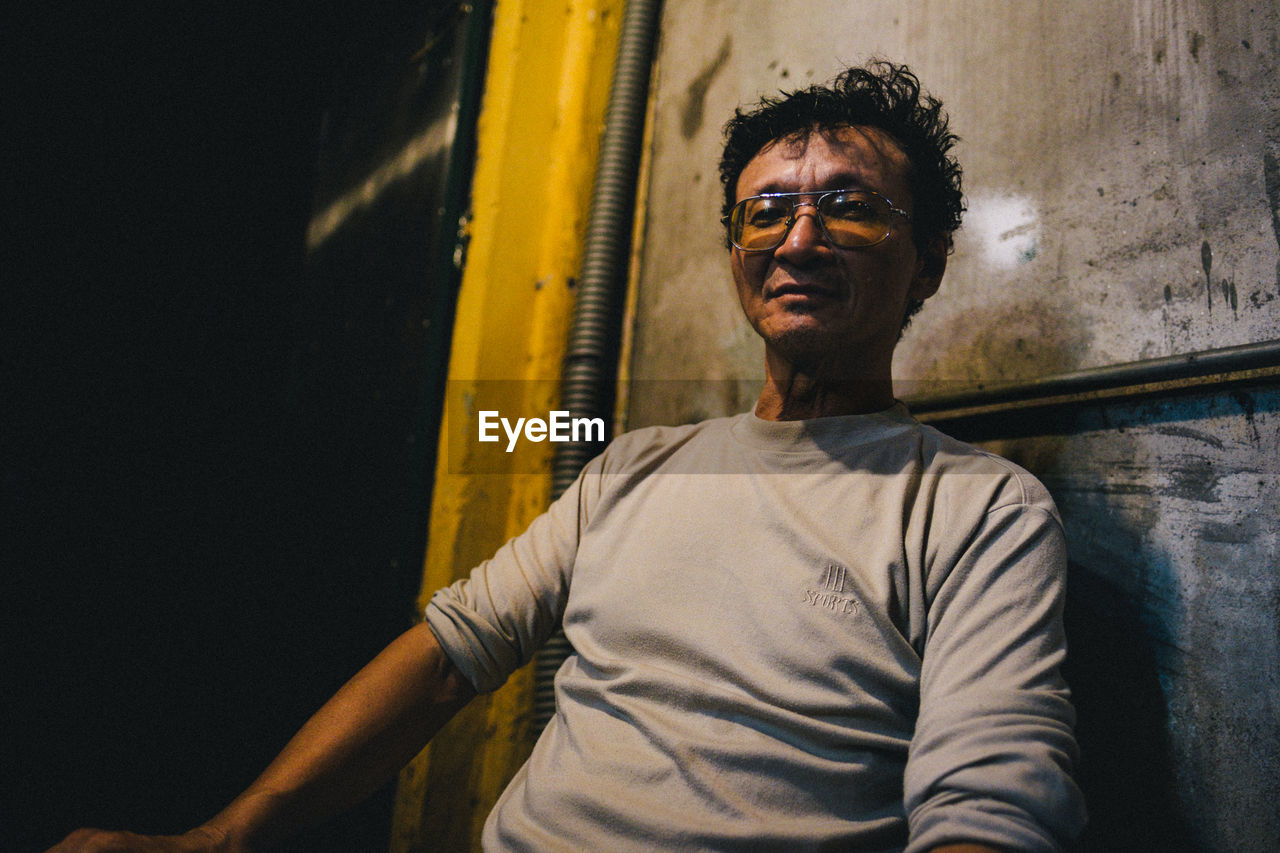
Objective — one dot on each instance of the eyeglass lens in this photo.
(851, 219)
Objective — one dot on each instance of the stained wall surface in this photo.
(1122, 170)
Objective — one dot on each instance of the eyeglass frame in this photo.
(822, 223)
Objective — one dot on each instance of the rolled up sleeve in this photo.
(491, 623)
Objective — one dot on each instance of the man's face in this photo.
(818, 306)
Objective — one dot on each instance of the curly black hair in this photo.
(881, 95)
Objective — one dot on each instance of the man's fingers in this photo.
(92, 841)
(104, 841)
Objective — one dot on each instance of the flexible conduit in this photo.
(590, 366)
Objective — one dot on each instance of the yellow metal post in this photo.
(543, 109)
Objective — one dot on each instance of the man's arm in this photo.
(379, 720)
(993, 749)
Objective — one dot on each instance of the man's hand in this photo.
(200, 840)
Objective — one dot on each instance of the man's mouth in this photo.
(799, 289)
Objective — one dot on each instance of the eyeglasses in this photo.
(849, 218)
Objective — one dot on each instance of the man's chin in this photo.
(820, 350)
(808, 344)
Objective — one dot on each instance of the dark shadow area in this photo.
(217, 445)
(1125, 771)
(1119, 470)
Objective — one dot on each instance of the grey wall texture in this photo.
(1122, 170)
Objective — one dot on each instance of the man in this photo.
(814, 626)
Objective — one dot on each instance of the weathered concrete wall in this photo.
(1122, 164)
(1171, 510)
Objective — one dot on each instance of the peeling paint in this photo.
(1006, 226)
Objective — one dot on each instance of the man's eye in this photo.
(768, 214)
(851, 209)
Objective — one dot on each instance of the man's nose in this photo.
(805, 236)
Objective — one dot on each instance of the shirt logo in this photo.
(829, 597)
(833, 578)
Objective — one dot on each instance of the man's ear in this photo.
(930, 266)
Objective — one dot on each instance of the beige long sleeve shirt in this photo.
(842, 633)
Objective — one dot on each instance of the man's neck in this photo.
(795, 396)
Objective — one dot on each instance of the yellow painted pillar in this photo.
(543, 109)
